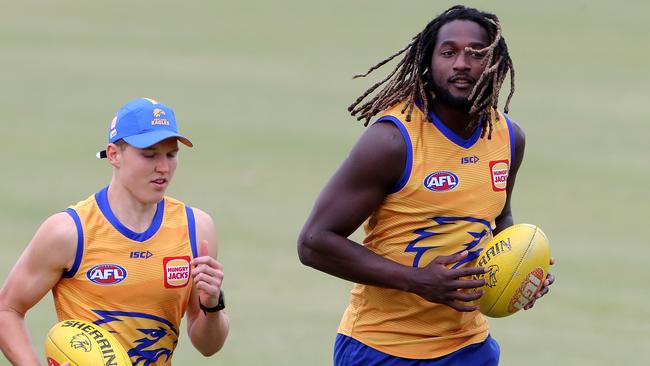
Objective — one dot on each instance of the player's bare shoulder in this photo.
(57, 239)
(378, 158)
(384, 140)
(205, 230)
(203, 219)
(51, 251)
(199, 214)
(519, 137)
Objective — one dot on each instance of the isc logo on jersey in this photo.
(441, 181)
(106, 274)
(177, 271)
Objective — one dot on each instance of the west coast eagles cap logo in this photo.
(159, 118)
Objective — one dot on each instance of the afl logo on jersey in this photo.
(177, 271)
(106, 274)
(441, 181)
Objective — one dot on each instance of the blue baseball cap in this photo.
(142, 123)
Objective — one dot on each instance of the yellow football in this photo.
(518, 261)
(83, 344)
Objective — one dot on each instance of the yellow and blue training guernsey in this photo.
(136, 285)
(450, 193)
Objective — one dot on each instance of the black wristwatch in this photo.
(220, 305)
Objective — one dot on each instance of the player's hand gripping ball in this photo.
(83, 344)
(518, 262)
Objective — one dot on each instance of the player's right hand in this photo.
(443, 285)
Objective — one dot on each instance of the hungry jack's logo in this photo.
(499, 172)
(177, 271)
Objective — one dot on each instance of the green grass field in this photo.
(262, 90)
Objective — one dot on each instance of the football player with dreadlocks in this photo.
(432, 178)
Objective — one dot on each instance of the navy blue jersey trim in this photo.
(449, 134)
(512, 140)
(406, 174)
(102, 201)
(191, 225)
(80, 244)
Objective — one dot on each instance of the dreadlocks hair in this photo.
(408, 80)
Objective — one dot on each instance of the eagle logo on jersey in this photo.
(81, 341)
(153, 338)
(466, 233)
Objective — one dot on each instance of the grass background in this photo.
(261, 88)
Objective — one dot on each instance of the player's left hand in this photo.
(545, 287)
(207, 275)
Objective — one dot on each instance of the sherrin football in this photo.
(83, 344)
(518, 262)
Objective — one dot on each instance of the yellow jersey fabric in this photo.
(136, 285)
(446, 201)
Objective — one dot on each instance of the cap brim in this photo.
(145, 140)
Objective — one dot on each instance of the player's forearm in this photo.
(343, 258)
(209, 331)
(14, 339)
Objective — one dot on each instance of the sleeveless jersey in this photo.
(450, 193)
(136, 285)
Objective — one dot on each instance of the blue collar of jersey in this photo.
(102, 201)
